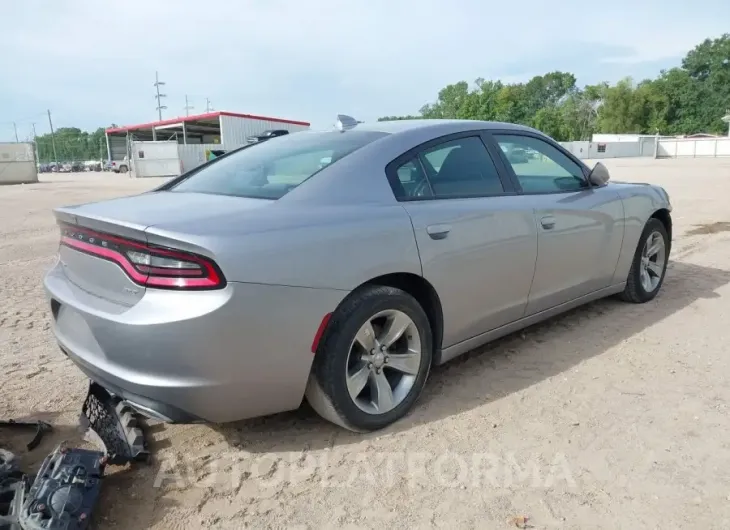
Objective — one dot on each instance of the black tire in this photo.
(123, 169)
(327, 388)
(634, 291)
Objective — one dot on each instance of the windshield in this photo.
(269, 170)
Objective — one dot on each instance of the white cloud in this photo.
(93, 62)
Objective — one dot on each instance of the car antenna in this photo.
(345, 122)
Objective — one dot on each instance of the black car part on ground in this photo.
(64, 491)
(40, 427)
(114, 425)
(66, 488)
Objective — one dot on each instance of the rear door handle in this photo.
(438, 231)
(548, 222)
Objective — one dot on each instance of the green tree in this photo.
(684, 100)
(72, 144)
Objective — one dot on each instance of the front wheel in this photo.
(650, 264)
(373, 361)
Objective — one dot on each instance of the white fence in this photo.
(618, 149)
(17, 163)
(693, 148)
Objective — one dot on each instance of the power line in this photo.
(160, 106)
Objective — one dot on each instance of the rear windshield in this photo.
(271, 169)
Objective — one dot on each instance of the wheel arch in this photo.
(663, 215)
(424, 293)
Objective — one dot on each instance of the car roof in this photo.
(350, 180)
(438, 127)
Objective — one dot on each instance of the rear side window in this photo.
(462, 168)
(271, 169)
(457, 168)
(412, 182)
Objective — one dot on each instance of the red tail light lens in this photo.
(145, 264)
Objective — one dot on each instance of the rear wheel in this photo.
(123, 169)
(373, 361)
(650, 264)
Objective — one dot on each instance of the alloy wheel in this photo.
(653, 260)
(383, 361)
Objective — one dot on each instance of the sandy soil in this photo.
(611, 416)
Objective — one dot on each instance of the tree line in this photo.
(691, 98)
(72, 145)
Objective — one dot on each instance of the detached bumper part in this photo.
(64, 491)
(114, 425)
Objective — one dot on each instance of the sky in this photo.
(93, 62)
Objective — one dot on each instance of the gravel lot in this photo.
(611, 416)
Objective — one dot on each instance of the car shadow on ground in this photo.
(498, 369)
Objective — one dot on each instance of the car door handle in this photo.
(438, 231)
(548, 222)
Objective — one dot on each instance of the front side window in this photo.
(461, 168)
(269, 170)
(539, 166)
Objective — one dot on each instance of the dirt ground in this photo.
(611, 416)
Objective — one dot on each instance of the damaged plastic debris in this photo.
(41, 427)
(64, 491)
(113, 425)
(12, 488)
(12, 492)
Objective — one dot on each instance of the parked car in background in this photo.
(266, 135)
(341, 266)
(515, 154)
(120, 166)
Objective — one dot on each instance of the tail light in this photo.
(145, 264)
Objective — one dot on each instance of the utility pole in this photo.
(208, 108)
(35, 145)
(187, 106)
(15, 127)
(53, 139)
(160, 106)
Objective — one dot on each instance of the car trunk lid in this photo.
(109, 224)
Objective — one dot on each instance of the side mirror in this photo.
(599, 175)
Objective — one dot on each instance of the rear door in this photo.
(477, 241)
(580, 227)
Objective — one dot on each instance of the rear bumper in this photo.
(151, 408)
(214, 356)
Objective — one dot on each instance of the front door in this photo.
(580, 227)
(477, 241)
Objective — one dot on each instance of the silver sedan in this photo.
(341, 266)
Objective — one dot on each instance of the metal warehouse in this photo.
(171, 147)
